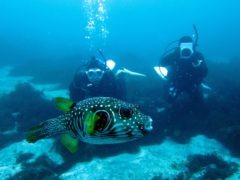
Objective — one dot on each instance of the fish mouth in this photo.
(148, 125)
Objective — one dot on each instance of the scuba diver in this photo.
(99, 78)
(184, 69)
(95, 79)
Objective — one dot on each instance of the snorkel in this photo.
(108, 62)
(101, 53)
(103, 57)
(195, 36)
(187, 45)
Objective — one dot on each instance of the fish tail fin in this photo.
(46, 129)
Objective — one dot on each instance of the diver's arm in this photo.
(200, 64)
(168, 59)
(76, 94)
(203, 73)
(204, 69)
(76, 91)
(200, 68)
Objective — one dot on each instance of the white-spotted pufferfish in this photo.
(98, 120)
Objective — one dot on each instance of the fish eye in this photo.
(125, 112)
(103, 120)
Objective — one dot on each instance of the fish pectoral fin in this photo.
(69, 142)
(64, 104)
(90, 122)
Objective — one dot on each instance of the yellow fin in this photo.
(64, 104)
(69, 142)
(90, 121)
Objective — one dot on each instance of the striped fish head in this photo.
(109, 121)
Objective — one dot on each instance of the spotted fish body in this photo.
(99, 120)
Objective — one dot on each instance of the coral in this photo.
(26, 106)
(41, 168)
(23, 157)
(210, 166)
(22, 109)
(230, 137)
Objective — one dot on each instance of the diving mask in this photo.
(94, 75)
(186, 50)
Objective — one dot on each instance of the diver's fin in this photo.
(127, 71)
(64, 104)
(161, 71)
(46, 129)
(204, 86)
(69, 142)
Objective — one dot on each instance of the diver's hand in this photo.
(197, 63)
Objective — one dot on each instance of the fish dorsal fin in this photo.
(64, 104)
(69, 142)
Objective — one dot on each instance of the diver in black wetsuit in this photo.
(186, 70)
(96, 79)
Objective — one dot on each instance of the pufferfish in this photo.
(98, 120)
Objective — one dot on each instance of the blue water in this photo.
(52, 29)
(48, 39)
